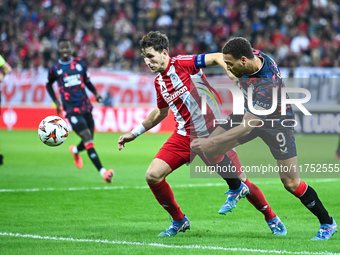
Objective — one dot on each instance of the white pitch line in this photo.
(187, 185)
(161, 245)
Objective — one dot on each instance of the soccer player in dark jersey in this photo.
(72, 77)
(252, 68)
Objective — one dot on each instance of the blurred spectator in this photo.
(106, 33)
(300, 42)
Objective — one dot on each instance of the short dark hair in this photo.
(154, 39)
(238, 47)
(63, 40)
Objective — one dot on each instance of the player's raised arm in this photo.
(214, 59)
(220, 144)
(153, 119)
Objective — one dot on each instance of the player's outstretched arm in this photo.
(219, 144)
(214, 59)
(153, 119)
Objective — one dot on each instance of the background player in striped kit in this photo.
(176, 91)
(72, 77)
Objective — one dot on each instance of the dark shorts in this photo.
(80, 122)
(280, 140)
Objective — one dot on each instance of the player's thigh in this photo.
(157, 171)
(79, 125)
(280, 141)
(175, 151)
(89, 121)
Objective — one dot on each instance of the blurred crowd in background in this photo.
(106, 33)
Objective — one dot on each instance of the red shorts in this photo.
(176, 152)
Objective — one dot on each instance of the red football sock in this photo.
(301, 189)
(259, 201)
(255, 196)
(165, 197)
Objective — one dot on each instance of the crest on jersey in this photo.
(78, 67)
(174, 78)
(60, 71)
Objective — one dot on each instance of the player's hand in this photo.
(99, 98)
(200, 145)
(128, 137)
(1, 76)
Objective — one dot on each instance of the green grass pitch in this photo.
(48, 206)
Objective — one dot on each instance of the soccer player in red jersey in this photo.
(255, 70)
(177, 87)
(72, 77)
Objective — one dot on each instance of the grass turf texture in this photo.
(129, 212)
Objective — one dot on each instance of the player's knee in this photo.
(85, 135)
(290, 184)
(152, 176)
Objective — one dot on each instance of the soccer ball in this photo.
(53, 131)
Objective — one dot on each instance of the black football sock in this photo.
(312, 202)
(225, 170)
(80, 147)
(94, 158)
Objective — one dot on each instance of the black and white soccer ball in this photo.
(53, 130)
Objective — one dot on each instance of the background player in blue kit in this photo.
(258, 71)
(72, 77)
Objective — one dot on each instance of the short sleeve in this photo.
(51, 75)
(86, 72)
(187, 63)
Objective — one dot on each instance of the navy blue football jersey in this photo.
(71, 77)
(262, 83)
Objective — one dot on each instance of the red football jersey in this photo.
(181, 87)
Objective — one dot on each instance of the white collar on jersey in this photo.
(65, 63)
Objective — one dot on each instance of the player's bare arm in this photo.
(53, 96)
(153, 119)
(217, 59)
(92, 88)
(222, 142)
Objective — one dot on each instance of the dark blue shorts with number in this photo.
(280, 140)
(80, 122)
